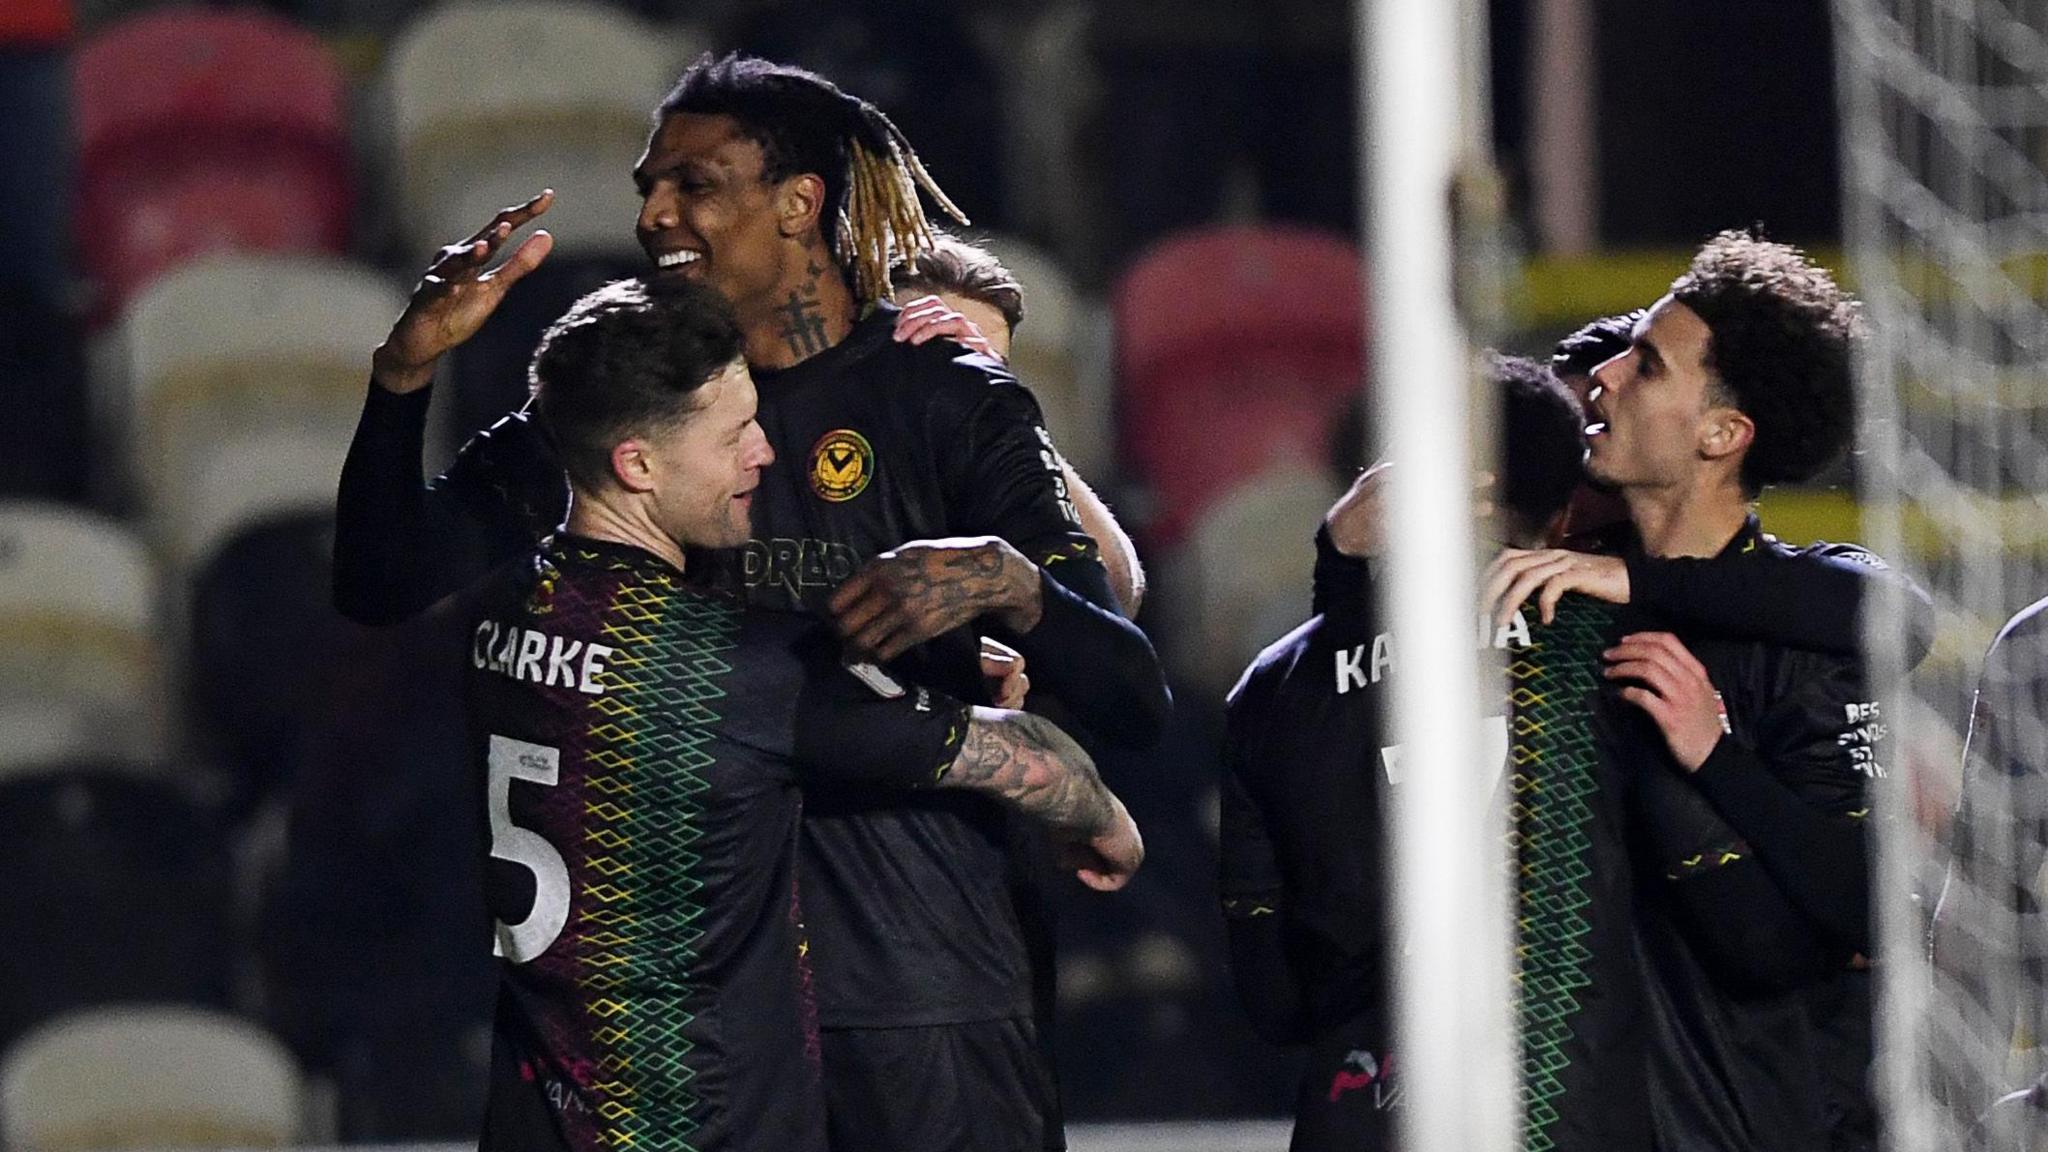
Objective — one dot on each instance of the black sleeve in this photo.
(1743, 927)
(1004, 479)
(1341, 582)
(400, 543)
(855, 724)
(1799, 799)
(1253, 894)
(1811, 598)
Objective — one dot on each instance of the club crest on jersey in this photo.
(842, 463)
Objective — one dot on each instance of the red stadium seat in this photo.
(201, 129)
(1237, 348)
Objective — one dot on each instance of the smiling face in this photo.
(1655, 407)
(707, 214)
(700, 472)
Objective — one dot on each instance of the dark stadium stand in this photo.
(204, 138)
(121, 885)
(265, 648)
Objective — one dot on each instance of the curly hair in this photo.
(626, 360)
(1781, 334)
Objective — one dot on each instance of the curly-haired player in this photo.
(1740, 377)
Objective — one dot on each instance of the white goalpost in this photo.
(1431, 269)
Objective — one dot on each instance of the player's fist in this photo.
(1355, 520)
(456, 296)
(1108, 860)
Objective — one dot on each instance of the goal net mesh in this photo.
(1945, 142)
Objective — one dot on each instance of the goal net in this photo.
(1945, 138)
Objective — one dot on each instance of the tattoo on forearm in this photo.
(803, 322)
(956, 585)
(1029, 762)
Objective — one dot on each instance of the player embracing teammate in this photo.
(1734, 724)
(918, 502)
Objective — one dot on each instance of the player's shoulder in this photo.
(1276, 664)
(1840, 551)
(944, 367)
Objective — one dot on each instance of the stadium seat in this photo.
(1236, 349)
(256, 541)
(1051, 353)
(265, 639)
(377, 963)
(233, 347)
(79, 633)
(149, 1077)
(201, 129)
(122, 882)
(476, 131)
(1252, 558)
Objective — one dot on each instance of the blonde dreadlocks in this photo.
(883, 223)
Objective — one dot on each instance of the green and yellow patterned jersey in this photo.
(642, 744)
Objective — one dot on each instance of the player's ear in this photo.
(1726, 432)
(632, 467)
(799, 204)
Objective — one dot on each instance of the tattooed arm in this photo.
(927, 588)
(1093, 660)
(1029, 764)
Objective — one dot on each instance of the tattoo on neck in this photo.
(803, 322)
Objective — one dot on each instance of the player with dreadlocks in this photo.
(791, 199)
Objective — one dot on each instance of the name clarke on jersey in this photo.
(1353, 670)
(539, 658)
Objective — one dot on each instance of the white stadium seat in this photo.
(238, 345)
(80, 656)
(1052, 352)
(491, 102)
(252, 478)
(148, 1077)
(1254, 553)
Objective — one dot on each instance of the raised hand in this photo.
(1357, 520)
(456, 296)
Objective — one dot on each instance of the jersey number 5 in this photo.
(517, 760)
